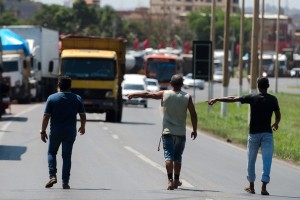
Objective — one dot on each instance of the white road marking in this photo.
(7, 124)
(105, 128)
(115, 136)
(155, 165)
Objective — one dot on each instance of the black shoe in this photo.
(264, 192)
(51, 182)
(66, 186)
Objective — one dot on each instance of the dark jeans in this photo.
(67, 142)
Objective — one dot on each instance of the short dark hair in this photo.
(64, 83)
(177, 80)
(263, 83)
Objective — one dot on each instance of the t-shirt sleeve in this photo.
(245, 99)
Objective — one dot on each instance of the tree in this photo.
(8, 18)
(46, 16)
(199, 23)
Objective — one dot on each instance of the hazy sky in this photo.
(131, 4)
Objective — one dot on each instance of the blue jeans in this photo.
(67, 141)
(265, 141)
(173, 147)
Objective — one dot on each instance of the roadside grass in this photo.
(234, 127)
(294, 87)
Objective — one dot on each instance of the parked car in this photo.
(152, 85)
(188, 81)
(134, 85)
(218, 76)
(295, 72)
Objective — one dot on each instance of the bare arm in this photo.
(151, 95)
(81, 129)
(194, 118)
(229, 99)
(277, 120)
(45, 122)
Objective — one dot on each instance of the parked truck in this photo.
(97, 67)
(44, 48)
(16, 65)
(4, 87)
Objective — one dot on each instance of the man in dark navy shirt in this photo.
(260, 130)
(62, 109)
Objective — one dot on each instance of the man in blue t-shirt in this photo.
(62, 109)
(262, 106)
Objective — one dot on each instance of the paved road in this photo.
(121, 161)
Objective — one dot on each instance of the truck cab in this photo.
(96, 66)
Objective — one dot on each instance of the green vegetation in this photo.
(234, 127)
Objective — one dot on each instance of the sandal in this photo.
(170, 185)
(249, 190)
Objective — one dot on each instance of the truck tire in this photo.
(111, 116)
(120, 110)
(119, 116)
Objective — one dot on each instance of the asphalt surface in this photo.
(121, 161)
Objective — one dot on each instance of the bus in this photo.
(161, 67)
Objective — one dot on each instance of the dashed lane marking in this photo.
(155, 165)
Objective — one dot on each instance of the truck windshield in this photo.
(89, 68)
(11, 66)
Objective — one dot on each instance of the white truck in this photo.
(16, 65)
(16, 72)
(44, 48)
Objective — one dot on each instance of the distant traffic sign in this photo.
(202, 57)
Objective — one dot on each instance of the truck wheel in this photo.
(119, 115)
(120, 110)
(111, 116)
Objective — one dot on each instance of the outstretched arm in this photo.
(229, 99)
(151, 95)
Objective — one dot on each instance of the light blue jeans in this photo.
(266, 143)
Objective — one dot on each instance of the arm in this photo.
(277, 120)
(194, 118)
(45, 122)
(81, 129)
(151, 95)
(229, 99)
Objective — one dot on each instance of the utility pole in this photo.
(241, 50)
(212, 38)
(277, 47)
(225, 61)
(262, 24)
(254, 42)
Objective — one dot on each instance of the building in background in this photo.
(286, 32)
(92, 2)
(178, 9)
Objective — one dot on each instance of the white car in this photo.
(134, 85)
(152, 85)
(295, 72)
(188, 81)
(218, 76)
